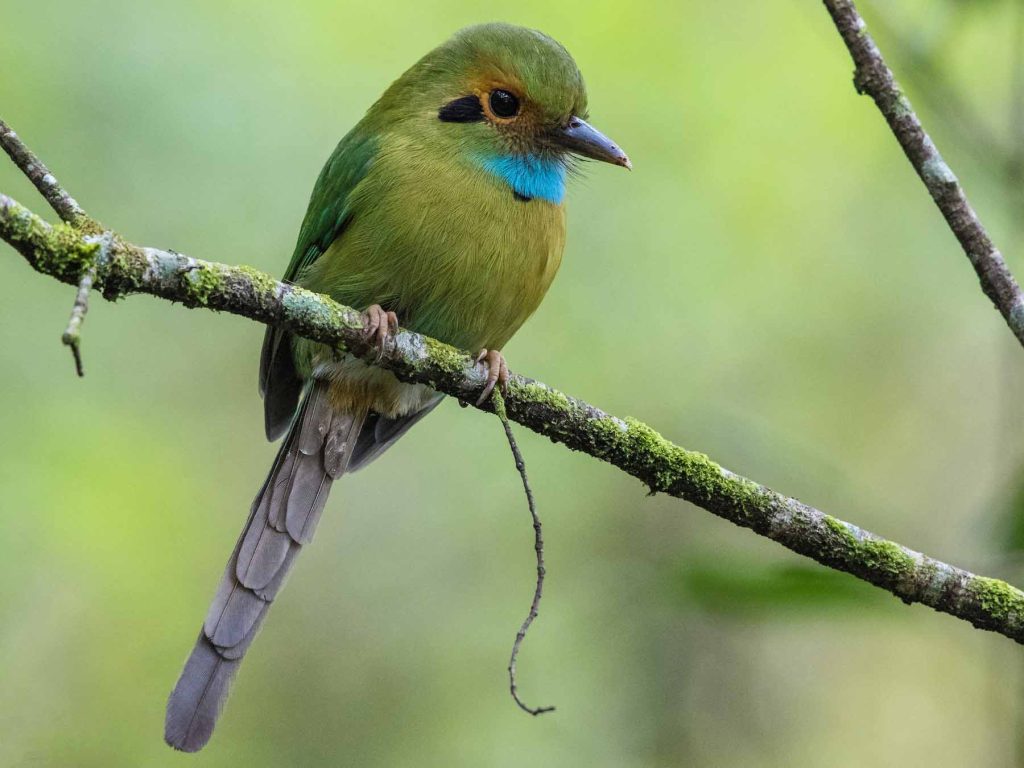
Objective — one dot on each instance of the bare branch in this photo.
(939, 94)
(64, 204)
(874, 78)
(628, 444)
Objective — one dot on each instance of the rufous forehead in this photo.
(485, 82)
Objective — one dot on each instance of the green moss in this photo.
(121, 274)
(312, 309)
(60, 251)
(840, 528)
(201, 283)
(67, 254)
(499, 405)
(668, 468)
(607, 437)
(703, 475)
(263, 282)
(537, 393)
(448, 359)
(668, 461)
(871, 554)
(644, 437)
(997, 598)
(886, 557)
(637, 444)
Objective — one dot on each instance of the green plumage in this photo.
(443, 205)
(404, 215)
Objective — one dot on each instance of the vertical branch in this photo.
(538, 546)
(1009, 444)
(72, 334)
(937, 92)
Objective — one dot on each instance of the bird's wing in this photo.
(326, 218)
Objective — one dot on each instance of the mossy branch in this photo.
(62, 251)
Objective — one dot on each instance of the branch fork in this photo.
(72, 334)
(71, 212)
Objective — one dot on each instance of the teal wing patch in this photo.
(326, 217)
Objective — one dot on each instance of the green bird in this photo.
(444, 206)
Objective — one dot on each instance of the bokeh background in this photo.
(771, 286)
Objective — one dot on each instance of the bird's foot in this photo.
(497, 372)
(379, 327)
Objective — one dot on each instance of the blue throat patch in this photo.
(530, 176)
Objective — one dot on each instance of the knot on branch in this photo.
(869, 81)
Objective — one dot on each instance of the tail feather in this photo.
(283, 517)
(269, 592)
(194, 706)
(262, 552)
(237, 651)
(306, 497)
(241, 610)
(276, 512)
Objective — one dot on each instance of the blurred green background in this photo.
(771, 285)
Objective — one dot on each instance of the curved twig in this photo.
(538, 546)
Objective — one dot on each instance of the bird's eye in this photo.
(503, 103)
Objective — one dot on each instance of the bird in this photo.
(444, 207)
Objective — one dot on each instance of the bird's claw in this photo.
(380, 326)
(497, 372)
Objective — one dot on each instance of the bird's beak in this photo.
(583, 139)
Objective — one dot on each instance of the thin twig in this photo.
(538, 546)
(1009, 391)
(941, 97)
(72, 334)
(873, 77)
(64, 204)
(71, 212)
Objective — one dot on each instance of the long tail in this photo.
(284, 516)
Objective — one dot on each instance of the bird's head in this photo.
(510, 99)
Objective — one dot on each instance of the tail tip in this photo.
(197, 698)
(185, 732)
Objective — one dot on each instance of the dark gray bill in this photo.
(583, 139)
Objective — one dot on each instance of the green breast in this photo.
(445, 244)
